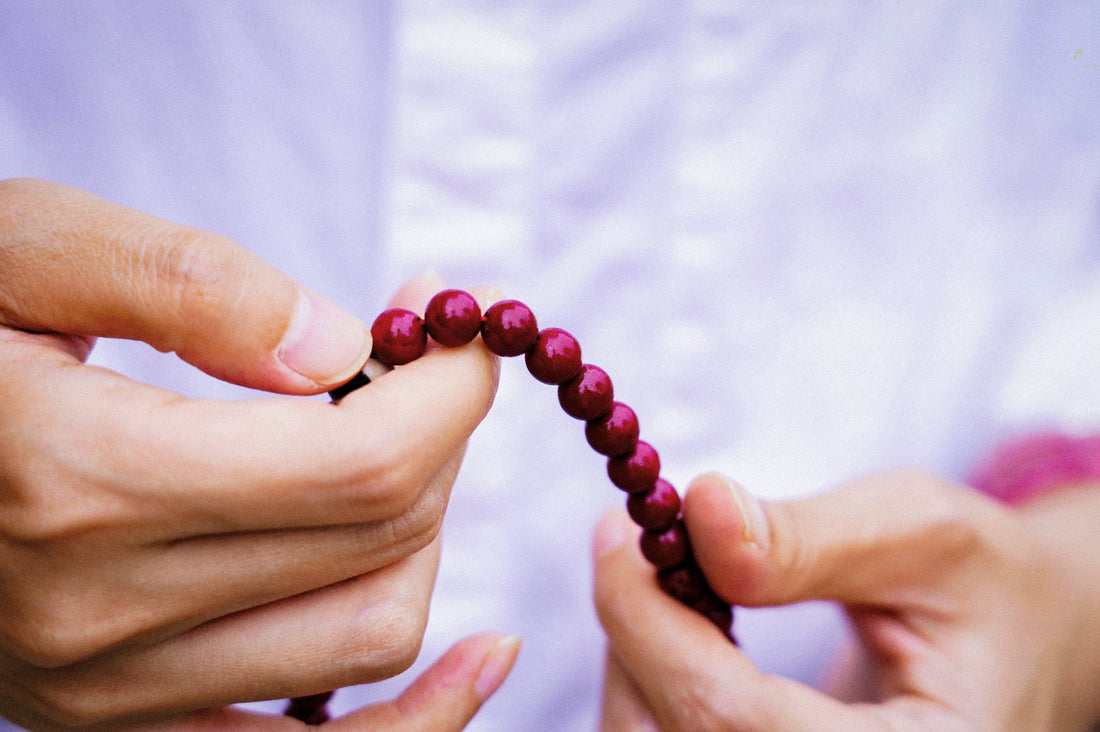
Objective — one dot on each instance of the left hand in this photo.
(443, 699)
(970, 615)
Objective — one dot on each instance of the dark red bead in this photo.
(636, 472)
(453, 318)
(717, 611)
(655, 509)
(684, 582)
(555, 358)
(666, 548)
(588, 395)
(309, 709)
(614, 434)
(399, 337)
(509, 328)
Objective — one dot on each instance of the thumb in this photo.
(865, 542)
(73, 263)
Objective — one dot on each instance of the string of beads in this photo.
(508, 328)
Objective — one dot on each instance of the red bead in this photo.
(587, 395)
(614, 434)
(555, 358)
(666, 548)
(509, 328)
(309, 709)
(636, 472)
(717, 611)
(399, 337)
(685, 582)
(453, 318)
(655, 509)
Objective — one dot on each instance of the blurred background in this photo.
(807, 240)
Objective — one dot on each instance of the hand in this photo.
(443, 699)
(969, 615)
(160, 555)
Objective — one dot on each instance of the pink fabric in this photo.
(1030, 466)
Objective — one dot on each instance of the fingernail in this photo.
(324, 343)
(496, 667)
(613, 530)
(755, 520)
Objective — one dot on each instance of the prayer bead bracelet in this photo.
(508, 328)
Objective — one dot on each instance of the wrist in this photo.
(1064, 522)
(1052, 480)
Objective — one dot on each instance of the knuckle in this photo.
(66, 708)
(193, 270)
(50, 638)
(397, 633)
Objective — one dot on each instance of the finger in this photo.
(871, 541)
(442, 699)
(446, 696)
(359, 631)
(687, 672)
(623, 707)
(77, 264)
(207, 466)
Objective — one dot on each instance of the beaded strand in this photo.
(553, 356)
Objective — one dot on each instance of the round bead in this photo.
(399, 337)
(655, 509)
(614, 434)
(555, 358)
(509, 328)
(666, 548)
(453, 318)
(588, 395)
(636, 472)
(685, 582)
(717, 611)
(309, 709)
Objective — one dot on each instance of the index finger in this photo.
(135, 451)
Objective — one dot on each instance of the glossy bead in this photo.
(664, 549)
(684, 582)
(453, 318)
(637, 471)
(614, 434)
(509, 328)
(399, 337)
(309, 709)
(555, 358)
(587, 395)
(717, 611)
(655, 509)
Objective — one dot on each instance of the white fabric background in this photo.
(807, 240)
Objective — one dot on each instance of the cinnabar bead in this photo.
(309, 709)
(717, 611)
(655, 509)
(399, 337)
(453, 318)
(588, 395)
(664, 549)
(509, 328)
(555, 358)
(637, 471)
(684, 582)
(614, 434)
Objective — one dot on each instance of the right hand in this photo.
(159, 554)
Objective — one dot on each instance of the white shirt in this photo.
(807, 240)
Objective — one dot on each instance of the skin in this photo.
(967, 615)
(162, 557)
